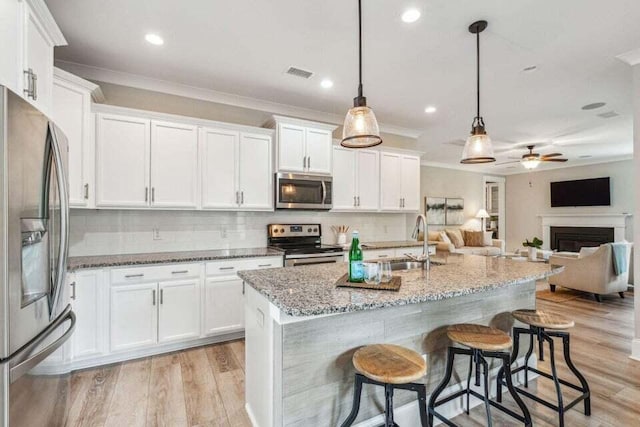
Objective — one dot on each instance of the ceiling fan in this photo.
(531, 160)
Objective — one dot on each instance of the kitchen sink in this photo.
(405, 265)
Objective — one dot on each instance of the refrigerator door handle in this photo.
(20, 363)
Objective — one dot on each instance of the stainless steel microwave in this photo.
(298, 191)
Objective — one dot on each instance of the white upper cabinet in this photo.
(10, 27)
(174, 165)
(219, 163)
(255, 181)
(38, 36)
(400, 182)
(355, 179)
(123, 146)
(71, 111)
(303, 146)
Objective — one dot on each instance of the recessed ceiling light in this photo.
(154, 39)
(594, 105)
(530, 69)
(326, 83)
(430, 109)
(410, 15)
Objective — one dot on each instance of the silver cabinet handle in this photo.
(354, 202)
(73, 290)
(237, 197)
(146, 194)
(31, 90)
(227, 268)
(308, 162)
(242, 197)
(161, 296)
(129, 276)
(264, 265)
(34, 94)
(304, 162)
(243, 287)
(358, 201)
(153, 194)
(383, 256)
(86, 191)
(180, 272)
(153, 297)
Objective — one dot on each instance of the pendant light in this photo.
(360, 128)
(478, 148)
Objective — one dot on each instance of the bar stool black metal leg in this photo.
(514, 355)
(443, 384)
(506, 364)
(526, 361)
(469, 382)
(388, 407)
(357, 391)
(487, 405)
(422, 405)
(554, 374)
(581, 378)
(540, 348)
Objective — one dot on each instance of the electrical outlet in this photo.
(156, 234)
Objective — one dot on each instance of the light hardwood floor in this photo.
(205, 386)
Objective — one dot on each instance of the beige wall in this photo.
(442, 182)
(525, 203)
(125, 96)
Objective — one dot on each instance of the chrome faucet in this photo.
(424, 258)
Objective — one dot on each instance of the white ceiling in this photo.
(243, 47)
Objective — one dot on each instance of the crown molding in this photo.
(179, 89)
(632, 57)
(94, 89)
(41, 11)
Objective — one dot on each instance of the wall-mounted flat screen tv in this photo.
(581, 192)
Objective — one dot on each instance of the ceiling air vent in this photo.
(299, 72)
(608, 114)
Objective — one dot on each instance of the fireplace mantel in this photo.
(617, 221)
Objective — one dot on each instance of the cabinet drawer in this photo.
(231, 266)
(378, 254)
(156, 273)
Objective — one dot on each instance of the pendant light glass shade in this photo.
(360, 128)
(530, 163)
(478, 148)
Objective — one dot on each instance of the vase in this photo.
(533, 253)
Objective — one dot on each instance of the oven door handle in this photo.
(315, 262)
(324, 193)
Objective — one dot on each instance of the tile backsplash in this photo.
(102, 232)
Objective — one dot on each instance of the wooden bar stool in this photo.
(539, 324)
(390, 366)
(482, 342)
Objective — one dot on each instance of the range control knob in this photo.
(282, 230)
(315, 230)
(309, 230)
(275, 231)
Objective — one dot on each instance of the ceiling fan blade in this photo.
(554, 160)
(552, 155)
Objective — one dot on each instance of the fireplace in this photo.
(571, 239)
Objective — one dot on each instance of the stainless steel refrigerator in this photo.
(35, 317)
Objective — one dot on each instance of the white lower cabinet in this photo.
(87, 300)
(134, 316)
(179, 310)
(224, 301)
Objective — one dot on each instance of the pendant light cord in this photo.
(360, 48)
(478, 75)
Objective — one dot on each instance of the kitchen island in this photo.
(301, 331)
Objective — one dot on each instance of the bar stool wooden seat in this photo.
(482, 342)
(390, 366)
(546, 326)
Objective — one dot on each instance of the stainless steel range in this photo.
(302, 244)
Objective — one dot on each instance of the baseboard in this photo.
(635, 349)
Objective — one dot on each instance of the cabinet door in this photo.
(71, 111)
(255, 179)
(38, 56)
(291, 148)
(344, 178)
(10, 28)
(179, 307)
(390, 181)
(411, 183)
(219, 164)
(224, 305)
(319, 148)
(88, 304)
(174, 165)
(134, 316)
(122, 161)
(368, 179)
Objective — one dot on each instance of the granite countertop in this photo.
(100, 261)
(391, 245)
(311, 290)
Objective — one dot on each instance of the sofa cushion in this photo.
(586, 251)
(474, 238)
(488, 238)
(434, 236)
(444, 237)
(455, 236)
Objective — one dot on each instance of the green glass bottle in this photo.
(356, 270)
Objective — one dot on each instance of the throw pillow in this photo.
(585, 251)
(488, 238)
(444, 237)
(456, 238)
(434, 236)
(474, 238)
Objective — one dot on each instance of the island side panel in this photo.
(317, 374)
